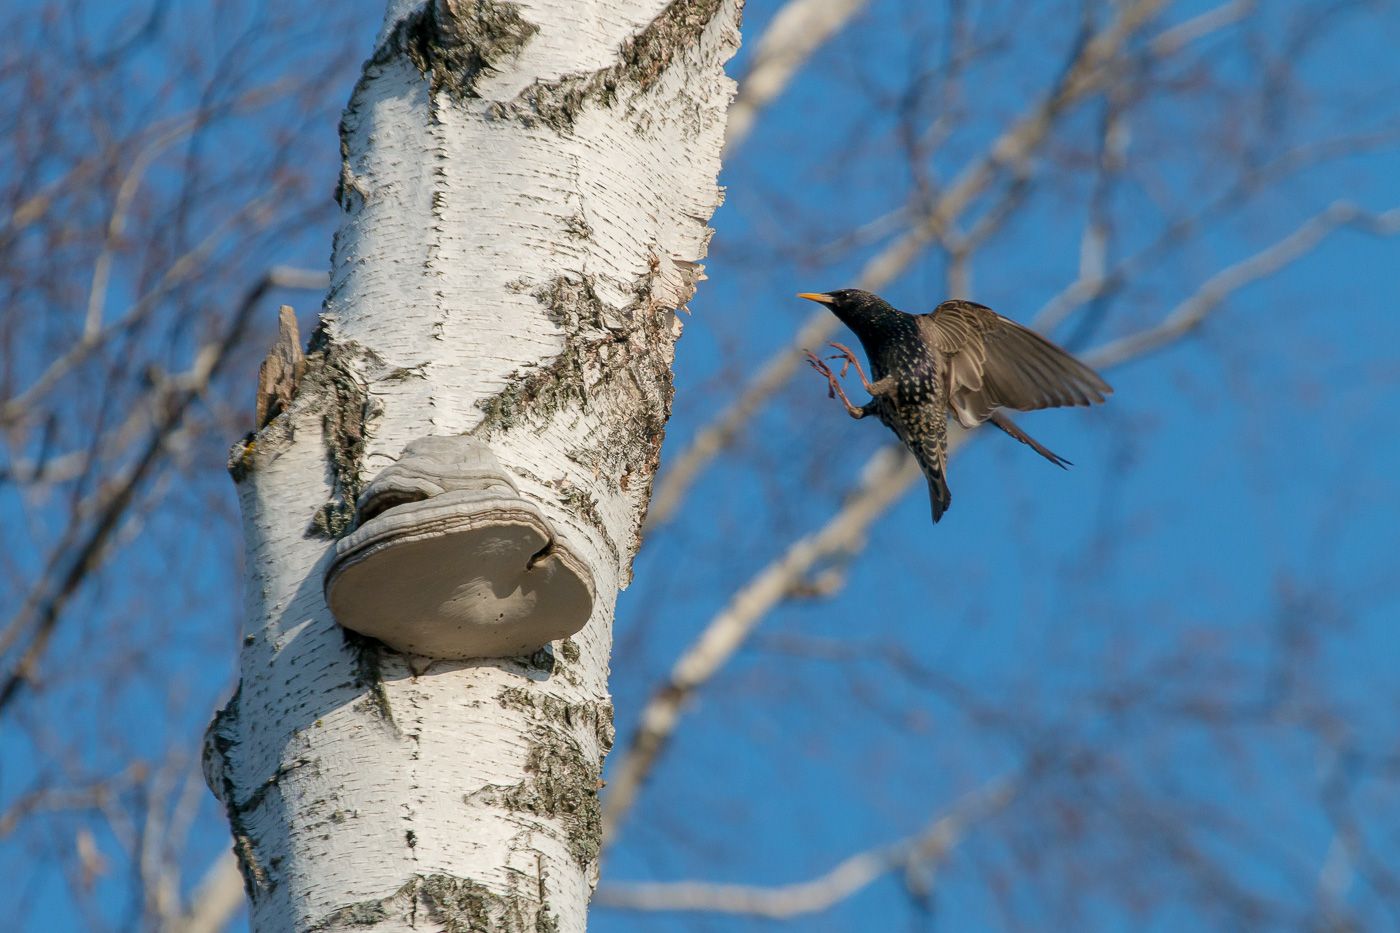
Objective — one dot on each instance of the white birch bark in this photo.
(526, 190)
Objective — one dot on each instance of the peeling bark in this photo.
(526, 188)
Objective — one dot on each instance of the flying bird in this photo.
(962, 358)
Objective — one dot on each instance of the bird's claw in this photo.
(817, 364)
(833, 385)
(844, 354)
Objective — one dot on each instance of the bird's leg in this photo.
(834, 389)
(844, 353)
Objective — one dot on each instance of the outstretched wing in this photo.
(993, 362)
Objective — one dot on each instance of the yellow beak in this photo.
(818, 297)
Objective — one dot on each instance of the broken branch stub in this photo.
(281, 371)
(451, 562)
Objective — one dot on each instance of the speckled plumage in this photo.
(962, 358)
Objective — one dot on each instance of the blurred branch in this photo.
(1172, 40)
(92, 334)
(1190, 313)
(918, 855)
(884, 480)
(798, 30)
(184, 268)
(1088, 71)
(161, 135)
(94, 795)
(215, 902)
(962, 246)
(63, 467)
(160, 159)
(37, 205)
(78, 556)
(1094, 282)
(116, 223)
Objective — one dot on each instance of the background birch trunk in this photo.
(526, 189)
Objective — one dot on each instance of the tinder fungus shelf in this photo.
(449, 561)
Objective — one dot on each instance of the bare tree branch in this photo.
(925, 852)
(146, 186)
(71, 563)
(62, 467)
(1094, 282)
(1190, 313)
(1173, 40)
(116, 223)
(94, 795)
(885, 479)
(184, 268)
(215, 902)
(798, 30)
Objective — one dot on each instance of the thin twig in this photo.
(40, 617)
(62, 467)
(25, 404)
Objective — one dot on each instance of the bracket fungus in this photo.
(451, 562)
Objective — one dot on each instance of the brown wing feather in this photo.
(993, 362)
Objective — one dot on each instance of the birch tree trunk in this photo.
(526, 188)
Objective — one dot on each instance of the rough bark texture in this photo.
(526, 189)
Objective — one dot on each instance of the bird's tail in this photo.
(928, 442)
(924, 431)
(1010, 427)
(940, 496)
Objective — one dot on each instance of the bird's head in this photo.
(863, 312)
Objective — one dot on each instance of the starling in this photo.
(962, 358)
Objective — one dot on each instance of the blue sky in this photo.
(1231, 482)
(1195, 624)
